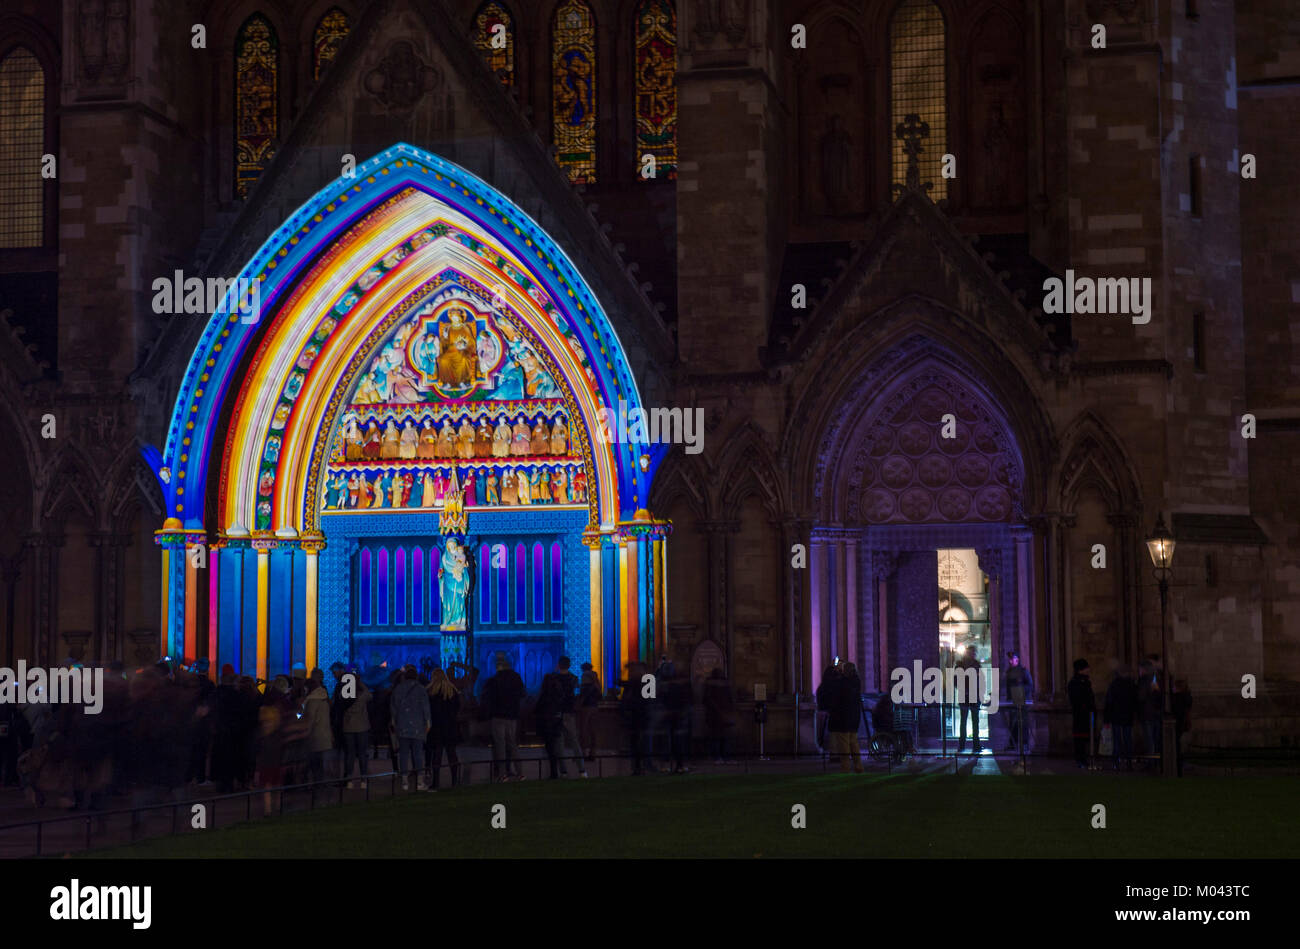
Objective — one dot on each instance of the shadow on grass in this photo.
(875, 816)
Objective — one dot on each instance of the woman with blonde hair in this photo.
(444, 707)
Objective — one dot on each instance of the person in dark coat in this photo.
(824, 703)
(444, 735)
(677, 706)
(635, 712)
(503, 694)
(1118, 711)
(550, 698)
(719, 713)
(968, 680)
(412, 724)
(1150, 707)
(1020, 690)
(845, 701)
(588, 707)
(882, 713)
(228, 720)
(200, 688)
(1082, 706)
(568, 739)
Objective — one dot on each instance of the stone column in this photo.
(720, 618)
(43, 557)
(883, 564)
(1026, 642)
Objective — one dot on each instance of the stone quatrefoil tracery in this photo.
(905, 472)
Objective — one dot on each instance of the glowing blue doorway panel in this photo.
(343, 532)
(353, 198)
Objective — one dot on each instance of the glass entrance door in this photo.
(963, 624)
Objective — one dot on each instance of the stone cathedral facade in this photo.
(827, 225)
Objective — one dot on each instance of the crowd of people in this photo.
(170, 725)
(1129, 700)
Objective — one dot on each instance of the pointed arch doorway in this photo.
(920, 547)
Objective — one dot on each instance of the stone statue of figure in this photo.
(559, 438)
(997, 137)
(501, 439)
(389, 447)
(453, 585)
(116, 51)
(446, 441)
(837, 150)
(409, 441)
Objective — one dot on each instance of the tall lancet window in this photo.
(330, 33)
(22, 143)
(918, 88)
(494, 35)
(573, 89)
(257, 116)
(656, 87)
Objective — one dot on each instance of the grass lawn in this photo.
(750, 816)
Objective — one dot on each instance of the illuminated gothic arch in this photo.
(417, 337)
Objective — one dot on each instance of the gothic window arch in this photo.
(918, 87)
(330, 32)
(257, 114)
(573, 89)
(494, 36)
(22, 143)
(655, 51)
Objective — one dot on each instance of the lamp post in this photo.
(1161, 546)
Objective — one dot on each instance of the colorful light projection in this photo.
(416, 294)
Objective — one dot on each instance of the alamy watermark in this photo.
(62, 686)
(1127, 295)
(181, 294)
(638, 426)
(960, 686)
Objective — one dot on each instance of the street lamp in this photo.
(1161, 546)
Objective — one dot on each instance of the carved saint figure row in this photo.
(413, 490)
(465, 441)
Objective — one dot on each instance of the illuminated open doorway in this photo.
(963, 623)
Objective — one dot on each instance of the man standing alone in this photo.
(1082, 706)
(503, 694)
(1020, 687)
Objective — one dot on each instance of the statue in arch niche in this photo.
(453, 585)
(458, 350)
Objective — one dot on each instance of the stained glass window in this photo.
(256, 112)
(573, 89)
(539, 581)
(331, 31)
(22, 143)
(918, 87)
(363, 615)
(656, 87)
(494, 35)
(417, 580)
(557, 582)
(521, 576)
